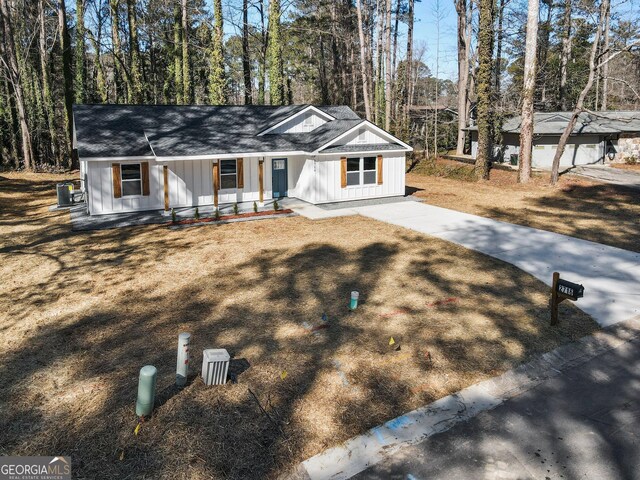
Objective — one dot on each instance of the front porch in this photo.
(82, 221)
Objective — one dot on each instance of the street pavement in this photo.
(582, 424)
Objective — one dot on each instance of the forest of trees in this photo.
(360, 53)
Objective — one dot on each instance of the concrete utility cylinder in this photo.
(182, 368)
(353, 304)
(146, 390)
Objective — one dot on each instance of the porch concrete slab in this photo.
(81, 221)
(339, 209)
(611, 276)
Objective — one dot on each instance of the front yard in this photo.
(81, 312)
(599, 212)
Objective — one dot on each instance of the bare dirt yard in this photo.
(603, 213)
(82, 312)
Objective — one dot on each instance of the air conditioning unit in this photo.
(215, 365)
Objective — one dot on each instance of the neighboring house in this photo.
(597, 138)
(151, 157)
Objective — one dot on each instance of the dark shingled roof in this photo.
(369, 147)
(170, 130)
(554, 123)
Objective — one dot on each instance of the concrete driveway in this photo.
(611, 276)
(608, 174)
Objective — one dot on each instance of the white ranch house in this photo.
(600, 137)
(157, 157)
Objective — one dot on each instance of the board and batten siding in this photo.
(297, 124)
(369, 137)
(315, 180)
(100, 189)
(327, 187)
(190, 185)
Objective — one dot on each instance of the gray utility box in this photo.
(215, 365)
(65, 194)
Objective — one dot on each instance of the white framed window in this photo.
(228, 174)
(131, 179)
(362, 136)
(361, 171)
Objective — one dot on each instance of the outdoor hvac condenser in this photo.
(215, 365)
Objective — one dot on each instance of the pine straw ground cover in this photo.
(81, 312)
(599, 212)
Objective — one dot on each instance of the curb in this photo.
(372, 447)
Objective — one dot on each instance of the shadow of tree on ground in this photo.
(84, 311)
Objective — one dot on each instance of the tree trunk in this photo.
(101, 76)
(387, 69)
(65, 45)
(177, 54)
(217, 82)
(484, 89)
(565, 54)
(363, 62)
(605, 67)
(593, 67)
(275, 61)
(528, 90)
(187, 96)
(136, 94)
(544, 54)
(409, 68)
(262, 67)
(16, 80)
(246, 60)
(379, 86)
(121, 77)
(394, 61)
(80, 75)
(46, 86)
(463, 73)
(498, 62)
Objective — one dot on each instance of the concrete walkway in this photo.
(611, 276)
(608, 174)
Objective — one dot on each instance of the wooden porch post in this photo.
(165, 172)
(216, 182)
(261, 179)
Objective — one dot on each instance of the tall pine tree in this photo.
(217, 81)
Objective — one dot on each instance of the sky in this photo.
(425, 34)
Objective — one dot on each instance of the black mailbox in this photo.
(570, 290)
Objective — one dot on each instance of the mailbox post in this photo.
(563, 290)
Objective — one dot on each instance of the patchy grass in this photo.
(81, 312)
(442, 168)
(599, 212)
(625, 166)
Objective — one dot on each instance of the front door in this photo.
(279, 177)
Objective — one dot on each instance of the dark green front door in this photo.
(279, 177)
